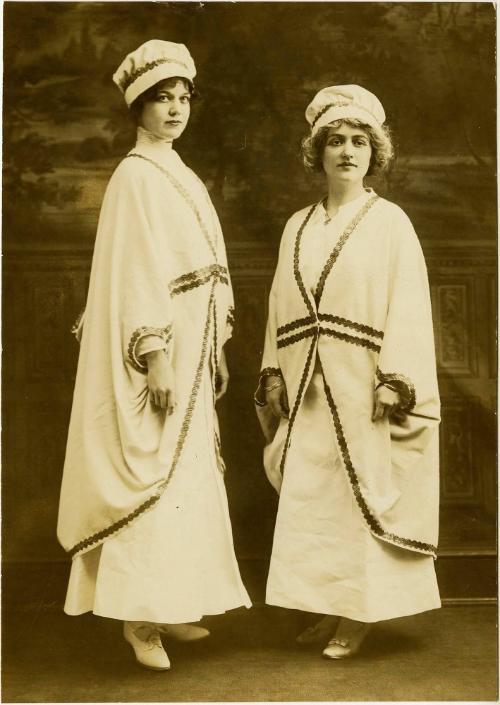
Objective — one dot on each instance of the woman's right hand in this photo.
(161, 381)
(277, 397)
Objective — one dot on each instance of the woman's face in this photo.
(347, 154)
(168, 114)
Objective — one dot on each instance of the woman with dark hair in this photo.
(143, 508)
(348, 395)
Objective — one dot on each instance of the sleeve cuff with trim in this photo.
(260, 395)
(400, 384)
(136, 350)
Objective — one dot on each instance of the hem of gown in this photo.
(168, 619)
(352, 614)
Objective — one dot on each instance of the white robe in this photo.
(143, 508)
(358, 514)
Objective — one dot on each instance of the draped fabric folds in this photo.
(159, 269)
(366, 322)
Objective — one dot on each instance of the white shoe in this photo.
(144, 638)
(347, 640)
(183, 632)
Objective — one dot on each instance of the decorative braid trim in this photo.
(309, 332)
(218, 454)
(296, 259)
(259, 397)
(339, 104)
(362, 342)
(298, 323)
(298, 400)
(321, 113)
(101, 535)
(360, 327)
(373, 523)
(215, 367)
(197, 278)
(340, 244)
(164, 333)
(268, 371)
(284, 342)
(199, 282)
(401, 384)
(187, 197)
(116, 526)
(230, 317)
(128, 80)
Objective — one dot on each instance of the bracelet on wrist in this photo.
(276, 385)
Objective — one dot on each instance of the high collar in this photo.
(154, 146)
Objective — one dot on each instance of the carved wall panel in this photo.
(43, 293)
(50, 306)
(458, 479)
(454, 327)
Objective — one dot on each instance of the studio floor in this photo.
(447, 654)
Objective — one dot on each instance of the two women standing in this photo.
(348, 369)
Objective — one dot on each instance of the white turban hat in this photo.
(153, 61)
(344, 102)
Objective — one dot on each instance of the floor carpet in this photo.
(447, 654)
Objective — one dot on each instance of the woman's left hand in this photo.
(221, 377)
(386, 404)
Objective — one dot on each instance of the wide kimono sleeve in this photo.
(132, 265)
(407, 362)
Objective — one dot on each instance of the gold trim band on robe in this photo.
(315, 331)
(332, 320)
(186, 196)
(340, 244)
(297, 337)
(298, 323)
(353, 339)
(359, 327)
(333, 255)
(100, 536)
(402, 385)
(164, 333)
(191, 280)
(375, 526)
(298, 401)
(127, 80)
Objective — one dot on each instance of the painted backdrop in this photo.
(259, 64)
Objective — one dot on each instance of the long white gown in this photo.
(173, 562)
(176, 562)
(325, 559)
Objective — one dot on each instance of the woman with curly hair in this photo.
(348, 395)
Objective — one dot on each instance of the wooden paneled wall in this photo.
(44, 289)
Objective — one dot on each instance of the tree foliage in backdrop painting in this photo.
(259, 64)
